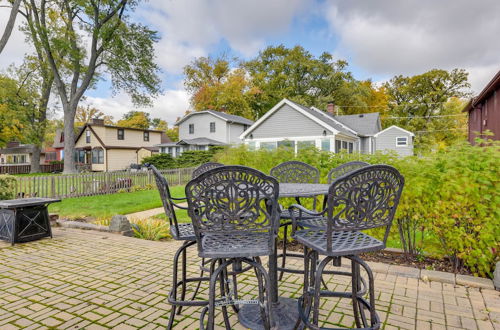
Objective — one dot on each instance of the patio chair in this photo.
(292, 172)
(234, 211)
(366, 198)
(205, 167)
(181, 232)
(343, 169)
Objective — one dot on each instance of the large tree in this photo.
(429, 104)
(11, 125)
(85, 39)
(10, 23)
(84, 114)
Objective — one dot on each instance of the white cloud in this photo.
(408, 37)
(16, 47)
(191, 28)
(168, 106)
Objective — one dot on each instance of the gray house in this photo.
(296, 126)
(201, 129)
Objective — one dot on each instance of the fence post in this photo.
(179, 172)
(53, 182)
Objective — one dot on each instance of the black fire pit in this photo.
(24, 220)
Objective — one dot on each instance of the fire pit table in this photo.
(24, 220)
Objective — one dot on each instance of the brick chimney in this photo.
(13, 144)
(330, 108)
(97, 121)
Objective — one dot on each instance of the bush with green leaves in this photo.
(160, 161)
(189, 158)
(450, 205)
(7, 187)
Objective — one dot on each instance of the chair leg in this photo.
(173, 291)
(317, 289)
(199, 282)
(265, 287)
(374, 319)
(224, 292)
(354, 292)
(184, 277)
(283, 259)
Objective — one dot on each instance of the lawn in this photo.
(104, 206)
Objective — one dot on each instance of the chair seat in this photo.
(186, 232)
(227, 245)
(285, 214)
(344, 243)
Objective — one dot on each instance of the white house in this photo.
(201, 129)
(297, 126)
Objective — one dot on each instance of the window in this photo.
(80, 156)
(286, 144)
(402, 141)
(146, 136)
(305, 144)
(212, 127)
(325, 144)
(50, 156)
(338, 145)
(97, 156)
(351, 147)
(268, 145)
(87, 136)
(121, 134)
(251, 145)
(344, 145)
(191, 128)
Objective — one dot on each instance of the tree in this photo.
(159, 124)
(294, 73)
(114, 44)
(10, 106)
(136, 119)
(214, 85)
(84, 114)
(10, 24)
(429, 104)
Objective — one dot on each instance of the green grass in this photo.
(37, 174)
(103, 206)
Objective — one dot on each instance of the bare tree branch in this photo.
(10, 24)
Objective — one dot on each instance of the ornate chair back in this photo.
(295, 172)
(343, 169)
(205, 167)
(363, 199)
(233, 202)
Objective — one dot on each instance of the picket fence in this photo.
(91, 184)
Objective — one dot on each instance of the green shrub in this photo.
(160, 161)
(450, 204)
(7, 187)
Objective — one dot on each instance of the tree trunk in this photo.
(35, 159)
(69, 138)
(10, 24)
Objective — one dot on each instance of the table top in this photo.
(25, 202)
(303, 189)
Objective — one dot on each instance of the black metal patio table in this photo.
(285, 310)
(26, 219)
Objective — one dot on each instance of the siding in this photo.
(364, 145)
(133, 138)
(387, 141)
(286, 122)
(141, 154)
(93, 139)
(486, 116)
(120, 159)
(234, 132)
(202, 128)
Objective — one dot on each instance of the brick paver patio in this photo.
(93, 280)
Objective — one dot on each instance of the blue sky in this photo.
(379, 39)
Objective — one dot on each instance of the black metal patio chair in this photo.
(292, 172)
(366, 198)
(234, 211)
(181, 232)
(205, 167)
(343, 169)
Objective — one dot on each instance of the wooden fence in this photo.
(24, 169)
(91, 184)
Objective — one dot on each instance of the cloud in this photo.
(408, 37)
(168, 106)
(16, 47)
(192, 28)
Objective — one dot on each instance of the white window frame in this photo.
(401, 145)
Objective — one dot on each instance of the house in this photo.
(110, 148)
(16, 153)
(202, 129)
(484, 111)
(293, 125)
(58, 144)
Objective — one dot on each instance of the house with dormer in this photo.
(289, 124)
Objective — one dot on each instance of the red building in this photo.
(484, 111)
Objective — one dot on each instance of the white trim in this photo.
(397, 127)
(402, 145)
(278, 106)
(331, 118)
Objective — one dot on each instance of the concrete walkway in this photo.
(149, 213)
(95, 280)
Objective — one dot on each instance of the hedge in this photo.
(7, 187)
(450, 205)
(186, 159)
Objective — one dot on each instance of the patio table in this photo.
(26, 219)
(285, 310)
